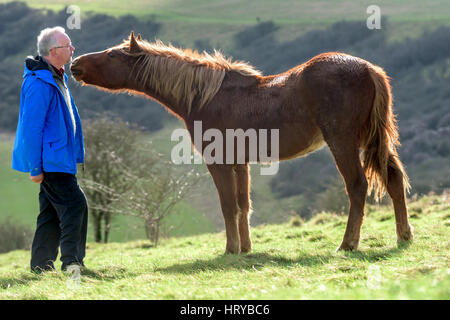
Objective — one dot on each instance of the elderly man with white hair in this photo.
(48, 145)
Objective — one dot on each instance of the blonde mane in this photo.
(183, 74)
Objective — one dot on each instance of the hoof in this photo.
(232, 251)
(246, 250)
(403, 244)
(348, 246)
(406, 236)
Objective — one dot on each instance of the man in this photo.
(49, 144)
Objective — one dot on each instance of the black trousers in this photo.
(62, 222)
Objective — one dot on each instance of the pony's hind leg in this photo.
(347, 160)
(224, 177)
(244, 203)
(396, 190)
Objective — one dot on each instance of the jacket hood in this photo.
(36, 63)
(40, 67)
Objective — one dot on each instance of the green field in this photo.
(18, 195)
(289, 261)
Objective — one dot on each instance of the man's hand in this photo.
(38, 178)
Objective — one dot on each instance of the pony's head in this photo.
(110, 68)
(168, 74)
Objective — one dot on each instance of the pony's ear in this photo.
(134, 46)
(139, 37)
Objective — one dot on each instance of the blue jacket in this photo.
(44, 138)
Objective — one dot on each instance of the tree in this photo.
(157, 188)
(109, 145)
(124, 175)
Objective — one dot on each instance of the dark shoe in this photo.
(39, 270)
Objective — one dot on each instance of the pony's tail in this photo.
(380, 141)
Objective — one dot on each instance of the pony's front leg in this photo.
(224, 177)
(244, 203)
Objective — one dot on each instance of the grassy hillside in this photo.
(289, 261)
(188, 20)
(18, 196)
(229, 12)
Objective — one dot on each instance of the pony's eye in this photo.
(110, 54)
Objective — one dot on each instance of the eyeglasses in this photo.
(66, 46)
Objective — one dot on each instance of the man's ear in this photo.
(134, 46)
(51, 52)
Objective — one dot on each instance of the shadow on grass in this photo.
(377, 254)
(23, 279)
(256, 261)
(109, 273)
(252, 261)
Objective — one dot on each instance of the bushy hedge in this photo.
(14, 236)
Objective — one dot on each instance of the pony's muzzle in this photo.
(73, 68)
(76, 72)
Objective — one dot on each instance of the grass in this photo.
(289, 261)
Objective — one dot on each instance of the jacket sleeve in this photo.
(36, 104)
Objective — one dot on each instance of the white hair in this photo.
(47, 40)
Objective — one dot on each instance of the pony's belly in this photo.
(290, 149)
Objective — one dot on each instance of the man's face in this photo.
(62, 52)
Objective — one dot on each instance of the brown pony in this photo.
(334, 98)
